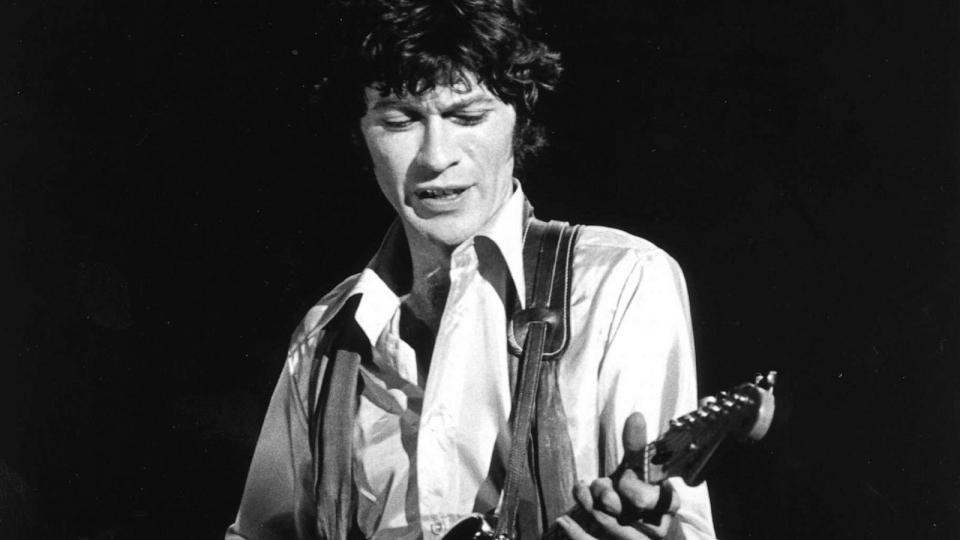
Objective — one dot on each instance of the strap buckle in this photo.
(519, 325)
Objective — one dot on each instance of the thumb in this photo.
(634, 433)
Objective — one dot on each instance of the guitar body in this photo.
(472, 527)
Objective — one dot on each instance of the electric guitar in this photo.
(745, 412)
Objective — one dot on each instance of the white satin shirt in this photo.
(430, 448)
(423, 453)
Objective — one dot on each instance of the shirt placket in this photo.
(437, 459)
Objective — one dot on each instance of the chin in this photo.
(447, 238)
(448, 235)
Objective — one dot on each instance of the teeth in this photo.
(440, 193)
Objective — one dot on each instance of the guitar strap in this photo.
(342, 347)
(540, 465)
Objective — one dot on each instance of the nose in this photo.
(438, 150)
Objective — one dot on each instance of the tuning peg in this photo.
(767, 381)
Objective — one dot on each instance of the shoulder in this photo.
(606, 249)
(307, 334)
(613, 269)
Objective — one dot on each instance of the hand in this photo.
(618, 506)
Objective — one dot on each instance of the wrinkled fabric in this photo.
(429, 449)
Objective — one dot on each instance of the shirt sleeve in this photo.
(278, 500)
(649, 366)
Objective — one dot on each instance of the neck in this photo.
(431, 279)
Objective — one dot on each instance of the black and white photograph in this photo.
(479, 270)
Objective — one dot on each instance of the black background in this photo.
(170, 211)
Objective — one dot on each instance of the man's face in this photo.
(443, 159)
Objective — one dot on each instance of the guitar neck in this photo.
(690, 440)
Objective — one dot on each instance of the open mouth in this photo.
(439, 194)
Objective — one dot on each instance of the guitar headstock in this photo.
(745, 412)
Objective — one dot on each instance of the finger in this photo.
(637, 493)
(605, 497)
(613, 530)
(656, 531)
(581, 493)
(573, 530)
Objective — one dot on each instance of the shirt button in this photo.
(437, 527)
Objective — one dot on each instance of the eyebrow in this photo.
(406, 104)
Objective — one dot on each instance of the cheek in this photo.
(506, 136)
(392, 152)
(383, 156)
(499, 152)
(493, 148)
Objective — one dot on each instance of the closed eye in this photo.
(397, 118)
(469, 118)
(397, 121)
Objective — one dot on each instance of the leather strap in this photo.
(334, 412)
(543, 327)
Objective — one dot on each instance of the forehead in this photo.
(438, 98)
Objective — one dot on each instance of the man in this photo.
(442, 95)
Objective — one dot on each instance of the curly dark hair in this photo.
(412, 46)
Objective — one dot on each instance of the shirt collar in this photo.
(387, 276)
(505, 230)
